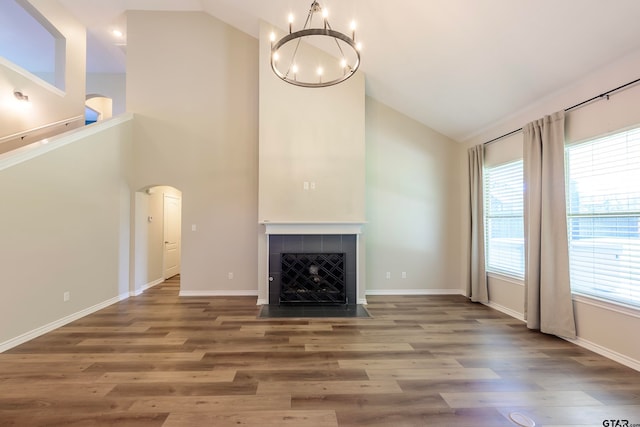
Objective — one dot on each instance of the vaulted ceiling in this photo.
(458, 66)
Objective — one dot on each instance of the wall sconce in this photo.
(21, 96)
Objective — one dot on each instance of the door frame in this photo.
(165, 226)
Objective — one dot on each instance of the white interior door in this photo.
(172, 212)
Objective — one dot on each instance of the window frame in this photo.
(595, 294)
(489, 215)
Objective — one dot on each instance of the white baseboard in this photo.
(152, 284)
(147, 286)
(414, 292)
(362, 301)
(27, 336)
(223, 293)
(506, 310)
(602, 351)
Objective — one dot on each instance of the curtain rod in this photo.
(580, 104)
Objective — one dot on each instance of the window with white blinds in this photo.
(603, 217)
(504, 228)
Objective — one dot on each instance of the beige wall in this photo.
(315, 136)
(194, 91)
(65, 228)
(412, 205)
(48, 104)
(601, 327)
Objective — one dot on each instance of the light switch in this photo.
(193, 227)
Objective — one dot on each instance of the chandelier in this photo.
(336, 58)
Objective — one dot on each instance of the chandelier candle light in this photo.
(294, 62)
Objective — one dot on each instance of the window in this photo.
(30, 42)
(603, 217)
(504, 226)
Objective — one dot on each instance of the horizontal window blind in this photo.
(504, 229)
(603, 217)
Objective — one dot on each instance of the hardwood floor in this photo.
(161, 360)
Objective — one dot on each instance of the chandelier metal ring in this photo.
(288, 71)
(314, 32)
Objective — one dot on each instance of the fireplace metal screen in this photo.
(313, 278)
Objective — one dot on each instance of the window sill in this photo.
(511, 279)
(616, 307)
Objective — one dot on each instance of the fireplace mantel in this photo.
(288, 228)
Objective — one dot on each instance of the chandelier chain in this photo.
(304, 27)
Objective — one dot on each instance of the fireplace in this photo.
(311, 238)
(312, 278)
(312, 269)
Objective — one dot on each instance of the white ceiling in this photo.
(458, 66)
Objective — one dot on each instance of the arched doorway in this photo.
(97, 108)
(158, 235)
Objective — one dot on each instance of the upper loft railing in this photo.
(17, 140)
(34, 143)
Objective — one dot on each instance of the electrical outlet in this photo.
(230, 275)
(404, 274)
(66, 296)
(313, 185)
(388, 275)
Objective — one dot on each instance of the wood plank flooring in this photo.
(161, 360)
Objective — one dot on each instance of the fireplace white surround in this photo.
(309, 228)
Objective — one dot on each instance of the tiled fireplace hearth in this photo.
(311, 263)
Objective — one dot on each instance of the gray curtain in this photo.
(477, 281)
(548, 305)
